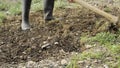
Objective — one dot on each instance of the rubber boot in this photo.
(25, 14)
(48, 10)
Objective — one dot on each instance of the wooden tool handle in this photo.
(110, 17)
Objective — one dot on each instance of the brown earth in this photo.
(20, 46)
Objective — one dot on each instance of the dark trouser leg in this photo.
(48, 9)
(25, 14)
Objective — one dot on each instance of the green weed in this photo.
(15, 9)
(84, 56)
(109, 41)
(37, 5)
(107, 9)
(91, 55)
(104, 37)
(3, 6)
(61, 3)
(113, 48)
(2, 17)
(73, 63)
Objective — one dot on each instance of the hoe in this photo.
(113, 19)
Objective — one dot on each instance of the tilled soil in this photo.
(46, 40)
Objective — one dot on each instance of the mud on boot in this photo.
(25, 26)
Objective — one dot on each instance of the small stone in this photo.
(106, 66)
(64, 62)
(34, 47)
(78, 19)
(96, 61)
(7, 13)
(81, 62)
(32, 39)
(49, 38)
(76, 34)
(46, 46)
(1, 43)
(20, 57)
(40, 51)
(88, 46)
(39, 36)
(45, 42)
(55, 64)
(28, 57)
(95, 45)
(88, 66)
(67, 20)
(74, 53)
(24, 52)
(56, 43)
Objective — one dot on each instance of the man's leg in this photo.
(25, 14)
(48, 9)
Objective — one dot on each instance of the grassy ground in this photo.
(109, 54)
(14, 7)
